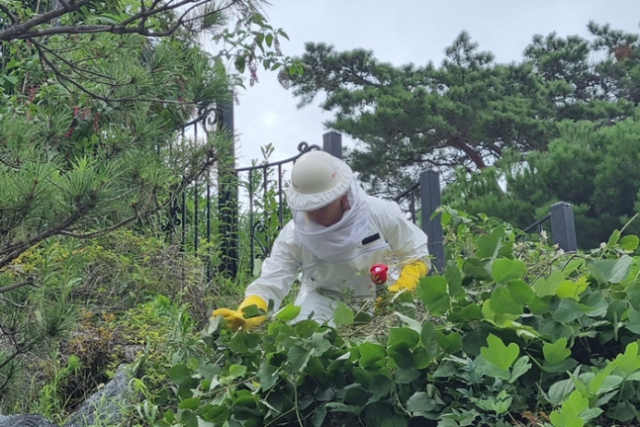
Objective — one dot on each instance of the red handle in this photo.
(379, 273)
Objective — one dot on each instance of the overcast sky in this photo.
(400, 32)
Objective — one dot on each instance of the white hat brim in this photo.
(311, 202)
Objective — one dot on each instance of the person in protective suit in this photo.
(337, 233)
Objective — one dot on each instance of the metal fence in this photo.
(201, 221)
(563, 229)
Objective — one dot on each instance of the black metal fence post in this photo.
(563, 229)
(228, 195)
(332, 143)
(430, 198)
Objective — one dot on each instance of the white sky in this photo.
(400, 32)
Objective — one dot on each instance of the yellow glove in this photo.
(410, 276)
(235, 318)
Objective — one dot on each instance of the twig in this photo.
(16, 285)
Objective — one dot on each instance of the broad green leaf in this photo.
(342, 315)
(488, 246)
(188, 418)
(412, 323)
(629, 243)
(475, 268)
(450, 343)
(548, 287)
(569, 310)
(633, 294)
(454, 280)
(499, 319)
(465, 314)
(614, 238)
(191, 403)
(288, 313)
(370, 353)
(318, 345)
(298, 357)
(318, 416)
(403, 336)
(432, 291)
(499, 354)
(418, 401)
(237, 370)
(538, 306)
(520, 291)
(242, 343)
(504, 270)
(569, 415)
(503, 303)
(633, 321)
(520, 368)
(429, 339)
(559, 391)
(267, 375)
(629, 361)
(570, 289)
(502, 402)
(180, 375)
(608, 270)
(556, 352)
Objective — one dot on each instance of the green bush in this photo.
(514, 333)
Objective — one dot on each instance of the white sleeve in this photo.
(278, 271)
(408, 242)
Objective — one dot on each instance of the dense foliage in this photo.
(594, 168)
(514, 333)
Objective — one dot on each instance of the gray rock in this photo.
(105, 406)
(24, 420)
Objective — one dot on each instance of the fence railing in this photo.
(265, 181)
(563, 229)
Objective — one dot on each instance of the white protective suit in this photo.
(384, 236)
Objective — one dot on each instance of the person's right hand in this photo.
(235, 318)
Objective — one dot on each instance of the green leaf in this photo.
(450, 343)
(614, 238)
(633, 321)
(318, 417)
(192, 403)
(629, 243)
(505, 270)
(475, 268)
(429, 339)
(188, 419)
(180, 374)
(520, 291)
(488, 246)
(403, 336)
(240, 64)
(556, 352)
(569, 310)
(629, 361)
(432, 291)
(371, 353)
(569, 415)
(454, 280)
(608, 270)
(559, 391)
(298, 357)
(288, 313)
(342, 315)
(502, 302)
(418, 401)
(267, 376)
(520, 368)
(499, 354)
(269, 39)
(548, 287)
(237, 370)
(571, 289)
